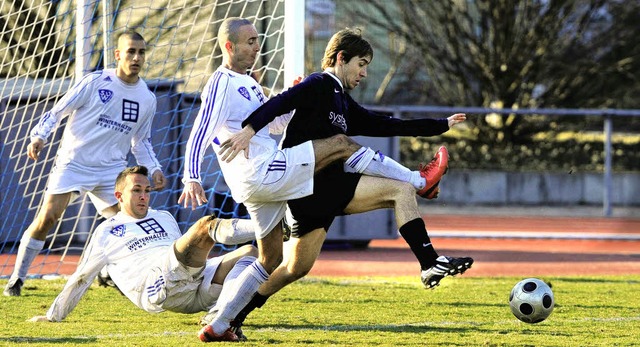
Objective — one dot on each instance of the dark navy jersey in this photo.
(323, 109)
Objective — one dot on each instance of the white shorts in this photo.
(99, 185)
(180, 291)
(267, 205)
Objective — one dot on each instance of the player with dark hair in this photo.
(324, 109)
(110, 113)
(265, 177)
(149, 259)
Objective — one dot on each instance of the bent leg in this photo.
(373, 193)
(302, 256)
(192, 249)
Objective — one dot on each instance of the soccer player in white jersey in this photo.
(110, 113)
(264, 178)
(148, 258)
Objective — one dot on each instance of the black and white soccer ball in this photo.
(531, 300)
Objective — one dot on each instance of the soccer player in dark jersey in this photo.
(323, 108)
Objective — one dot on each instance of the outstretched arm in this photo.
(92, 262)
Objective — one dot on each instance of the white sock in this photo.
(371, 163)
(233, 231)
(235, 296)
(27, 252)
(233, 274)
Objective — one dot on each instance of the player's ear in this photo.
(116, 54)
(118, 196)
(228, 46)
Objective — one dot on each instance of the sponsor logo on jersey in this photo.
(108, 79)
(105, 95)
(155, 233)
(106, 122)
(339, 121)
(118, 230)
(130, 110)
(244, 92)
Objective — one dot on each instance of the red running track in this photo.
(559, 253)
(494, 256)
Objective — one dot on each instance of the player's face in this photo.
(245, 51)
(134, 198)
(130, 55)
(354, 71)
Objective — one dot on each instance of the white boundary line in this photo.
(535, 235)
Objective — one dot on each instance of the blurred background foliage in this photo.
(513, 55)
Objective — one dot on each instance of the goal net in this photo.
(46, 46)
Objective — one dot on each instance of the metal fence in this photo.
(399, 111)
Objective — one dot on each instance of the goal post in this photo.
(47, 45)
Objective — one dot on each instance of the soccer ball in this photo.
(531, 300)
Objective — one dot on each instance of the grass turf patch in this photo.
(384, 311)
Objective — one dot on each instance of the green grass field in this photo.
(589, 311)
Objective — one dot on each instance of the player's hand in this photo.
(456, 118)
(159, 181)
(236, 143)
(192, 195)
(39, 319)
(297, 80)
(34, 148)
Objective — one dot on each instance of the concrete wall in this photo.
(537, 188)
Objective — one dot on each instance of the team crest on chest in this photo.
(105, 95)
(244, 92)
(118, 230)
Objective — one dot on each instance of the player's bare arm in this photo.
(34, 148)
(236, 143)
(193, 195)
(456, 118)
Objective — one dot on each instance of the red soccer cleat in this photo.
(433, 172)
(206, 334)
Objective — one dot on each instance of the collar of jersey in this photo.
(335, 78)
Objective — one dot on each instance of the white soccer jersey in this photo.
(107, 118)
(129, 247)
(228, 99)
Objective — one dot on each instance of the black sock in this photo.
(256, 302)
(415, 233)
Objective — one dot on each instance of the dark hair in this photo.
(133, 170)
(350, 43)
(229, 30)
(132, 34)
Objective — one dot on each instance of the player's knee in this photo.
(45, 221)
(271, 262)
(297, 271)
(397, 193)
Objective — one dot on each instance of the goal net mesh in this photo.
(42, 46)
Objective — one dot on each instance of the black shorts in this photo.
(333, 189)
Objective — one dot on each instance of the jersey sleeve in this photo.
(77, 285)
(282, 104)
(366, 123)
(141, 147)
(75, 98)
(212, 115)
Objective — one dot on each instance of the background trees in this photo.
(513, 54)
